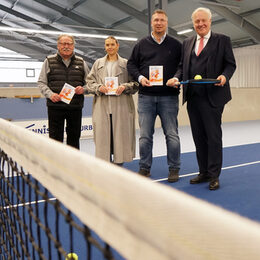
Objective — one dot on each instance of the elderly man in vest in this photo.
(58, 69)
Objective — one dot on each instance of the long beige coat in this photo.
(123, 113)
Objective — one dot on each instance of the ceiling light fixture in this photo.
(184, 31)
(220, 4)
(87, 35)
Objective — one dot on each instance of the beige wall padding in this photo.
(245, 105)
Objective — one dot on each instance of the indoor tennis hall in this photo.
(57, 202)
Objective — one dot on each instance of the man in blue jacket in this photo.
(153, 61)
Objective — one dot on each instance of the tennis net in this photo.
(109, 206)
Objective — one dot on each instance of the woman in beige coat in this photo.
(113, 115)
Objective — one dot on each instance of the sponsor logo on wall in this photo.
(41, 127)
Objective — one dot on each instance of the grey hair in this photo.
(204, 9)
(66, 35)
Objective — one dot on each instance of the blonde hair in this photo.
(113, 38)
(159, 11)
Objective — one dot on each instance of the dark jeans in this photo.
(57, 119)
(166, 107)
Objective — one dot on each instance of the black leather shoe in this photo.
(173, 175)
(214, 184)
(144, 172)
(199, 179)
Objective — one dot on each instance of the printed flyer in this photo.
(156, 75)
(112, 84)
(67, 93)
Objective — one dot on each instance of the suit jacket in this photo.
(221, 61)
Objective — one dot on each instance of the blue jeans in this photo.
(166, 107)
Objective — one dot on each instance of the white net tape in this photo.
(139, 218)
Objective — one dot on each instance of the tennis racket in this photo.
(199, 81)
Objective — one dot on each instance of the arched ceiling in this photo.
(240, 19)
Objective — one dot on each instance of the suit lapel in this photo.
(211, 43)
(211, 49)
(187, 56)
(190, 47)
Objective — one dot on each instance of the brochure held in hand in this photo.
(112, 85)
(67, 93)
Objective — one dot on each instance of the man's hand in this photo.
(145, 82)
(173, 82)
(222, 79)
(55, 98)
(79, 90)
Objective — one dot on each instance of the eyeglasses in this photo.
(66, 43)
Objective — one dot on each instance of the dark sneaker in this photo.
(144, 172)
(173, 175)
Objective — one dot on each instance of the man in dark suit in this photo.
(210, 55)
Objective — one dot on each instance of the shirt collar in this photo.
(207, 36)
(162, 39)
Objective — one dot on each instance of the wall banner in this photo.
(41, 127)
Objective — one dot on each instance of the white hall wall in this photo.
(245, 85)
(19, 71)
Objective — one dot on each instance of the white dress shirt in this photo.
(205, 41)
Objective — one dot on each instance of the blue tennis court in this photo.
(239, 181)
(239, 190)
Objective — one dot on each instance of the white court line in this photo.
(224, 168)
(27, 203)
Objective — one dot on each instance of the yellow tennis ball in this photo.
(71, 256)
(197, 77)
